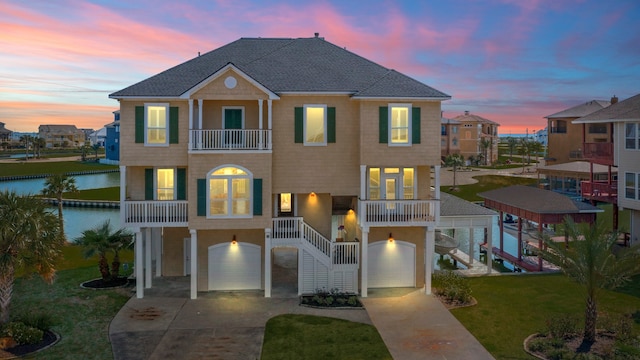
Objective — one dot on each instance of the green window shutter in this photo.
(257, 196)
(384, 125)
(331, 124)
(299, 128)
(139, 124)
(181, 180)
(415, 126)
(148, 184)
(202, 197)
(173, 125)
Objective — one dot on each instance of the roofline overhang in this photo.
(229, 67)
(148, 98)
(323, 93)
(403, 98)
(604, 121)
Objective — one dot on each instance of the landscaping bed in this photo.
(331, 299)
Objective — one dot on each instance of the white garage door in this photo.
(235, 267)
(392, 264)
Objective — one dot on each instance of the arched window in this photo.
(229, 192)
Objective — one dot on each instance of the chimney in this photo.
(316, 34)
(466, 112)
(614, 99)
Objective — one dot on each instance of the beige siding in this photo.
(560, 146)
(216, 90)
(173, 251)
(316, 211)
(212, 113)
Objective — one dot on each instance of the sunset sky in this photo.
(510, 61)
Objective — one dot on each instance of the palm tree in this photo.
(26, 139)
(101, 240)
(590, 260)
(536, 148)
(29, 241)
(39, 143)
(55, 186)
(454, 160)
(523, 150)
(511, 144)
(485, 144)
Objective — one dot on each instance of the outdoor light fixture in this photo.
(390, 237)
(313, 194)
(233, 241)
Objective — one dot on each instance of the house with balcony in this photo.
(621, 149)
(61, 135)
(112, 140)
(273, 142)
(449, 137)
(478, 137)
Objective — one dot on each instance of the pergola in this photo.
(538, 206)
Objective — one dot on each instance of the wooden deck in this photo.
(521, 264)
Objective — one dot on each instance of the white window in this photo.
(165, 184)
(156, 123)
(229, 192)
(315, 125)
(408, 183)
(632, 186)
(391, 183)
(400, 124)
(632, 136)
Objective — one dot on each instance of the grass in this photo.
(81, 317)
(110, 193)
(317, 337)
(486, 183)
(510, 308)
(56, 167)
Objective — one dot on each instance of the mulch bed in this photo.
(49, 338)
(101, 284)
(310, 301)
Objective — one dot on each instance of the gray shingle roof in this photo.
(580, 110)
(473, 117)
(628, 109)
(538, 200)
(451, 205)
(287, 65)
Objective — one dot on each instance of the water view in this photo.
(83, 182)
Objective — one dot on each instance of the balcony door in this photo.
(392, 187)
(233, 122)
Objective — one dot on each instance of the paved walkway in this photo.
(166, 324)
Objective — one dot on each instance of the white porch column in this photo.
(147, 257)
(429, 245)
(489, 246)
(200, 114)
(123, 194)
(190, 123)
(267, 262)
(471, 245)
(269, 115)
(363, 191)
(138, 264)
(158, 256)
(260, 114)
(364, 283)
(194, 263)
(436, 179)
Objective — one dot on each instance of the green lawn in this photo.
(55, 167)
(486, 183)
(110, 193)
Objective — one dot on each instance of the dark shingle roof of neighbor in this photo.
(580, 110)
(287, 65)
(538, 200)
(451, 205)
(628, 109)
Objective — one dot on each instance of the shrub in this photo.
(40, 321)
(451, 286)
(22, 333)
(562, 326)
(620, 325)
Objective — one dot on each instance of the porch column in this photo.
(194, 263)
(200, 114)
(158, 255)
(269, 114)
(364, 283)
(471, 246)
(190, 123)
(138, 264)
(363, 191)
(123, 194)
(147, 258)
(501, 223)
(267, 262)
(430, 248)
(519, 238)
(260, 137)
(490, 245)
(436, 177)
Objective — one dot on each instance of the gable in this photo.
(229, 85)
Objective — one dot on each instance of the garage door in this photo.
(392, 264)
(235, 267)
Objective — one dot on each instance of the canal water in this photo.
(76, 219)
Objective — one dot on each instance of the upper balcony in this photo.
(214, 141)
(398, 212)
(599, 153)
(154, 213)
(600, 191)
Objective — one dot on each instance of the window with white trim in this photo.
(229, 192)
(392, 183)
(632, 136)
(400, 124)
(315, 124)
(156, 124)
(632, 186)
(165, 184)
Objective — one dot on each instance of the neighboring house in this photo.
(565, 138)
(622, 119)
(272, 142)
(473, 130)
(112, 141)
(449, 137)
(98, 137)
(541, 136)
(61, 135)
(5, 134)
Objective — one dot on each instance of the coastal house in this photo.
(449, 137)
(112, 140)
(5, 134)
(474, 131)
(275, 142)
(621, 149)
(61, 135)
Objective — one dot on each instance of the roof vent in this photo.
(466, 112)
(316, 34)
(614, 99)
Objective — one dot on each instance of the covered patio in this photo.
(542, 207)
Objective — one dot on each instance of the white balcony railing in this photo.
(225, 140)
(155, 213)
(398, 212)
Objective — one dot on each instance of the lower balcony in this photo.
(229, 140)
(600, 191)
(398, 212)
(155, 213)
(599, 153)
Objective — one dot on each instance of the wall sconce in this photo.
(313, 194)
(390, 237)
(233, 241)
